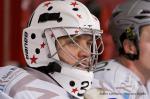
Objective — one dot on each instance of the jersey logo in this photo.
(79, 91)
(26, 45)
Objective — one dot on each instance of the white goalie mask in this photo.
(51, 21)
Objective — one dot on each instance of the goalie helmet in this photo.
(50, 21)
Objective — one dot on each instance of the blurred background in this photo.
(16, 13)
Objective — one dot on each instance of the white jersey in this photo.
(16, 83)
(4, 95)
(90, 94)
(123, 81)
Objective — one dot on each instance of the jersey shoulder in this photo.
(114, 73)
(19, 84)
(109, 68)
(119, 78)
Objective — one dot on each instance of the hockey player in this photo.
(60, 48)
(130, 72)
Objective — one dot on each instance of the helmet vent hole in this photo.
(37, 51)
(33, 36)
(50, 8)
(75, 9)
(72, 83)
(59, 19)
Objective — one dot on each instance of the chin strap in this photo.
(50, 68)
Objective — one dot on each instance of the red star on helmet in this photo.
(74, 3)
(79, 15)
(43, 45)
(46, 4)
(74, 90)
(33, 59)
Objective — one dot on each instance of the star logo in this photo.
(46, 4)
(43, 45)
(74, 3)
(33, 59)
(74, 90)
(79, 15)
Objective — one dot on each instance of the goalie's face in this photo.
(75, 51)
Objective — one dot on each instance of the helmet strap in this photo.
(50, 68)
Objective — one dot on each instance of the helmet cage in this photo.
(52, 34)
